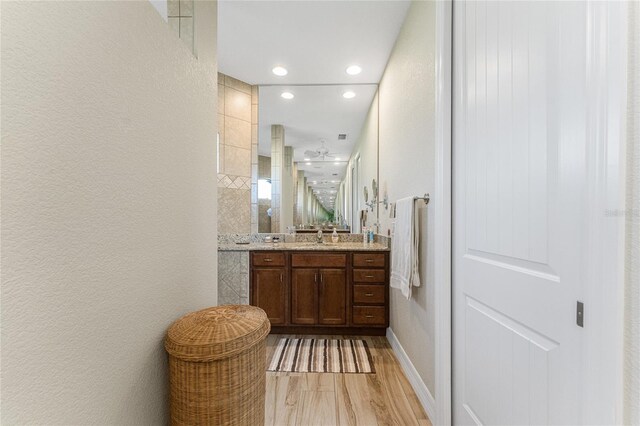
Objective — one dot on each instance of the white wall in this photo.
(108, 206)
(407, 168)
(632, 219)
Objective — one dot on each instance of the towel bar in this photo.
(425, 198)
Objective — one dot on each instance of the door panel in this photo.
(304, 296)
(519, 190)
(332, 297)
(269, 293)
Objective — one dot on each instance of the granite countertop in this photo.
(304, 246)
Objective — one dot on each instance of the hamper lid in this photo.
(216, 333)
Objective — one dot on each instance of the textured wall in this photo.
(108, 206)
(238, 126)
(407, 130)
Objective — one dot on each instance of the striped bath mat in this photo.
(322, 356)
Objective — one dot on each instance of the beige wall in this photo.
(108, 206)
(406, 159)
(237, 121)
(367, 148)
(407, 168)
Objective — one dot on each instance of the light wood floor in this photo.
(383, 398)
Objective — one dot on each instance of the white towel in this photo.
(405, 272)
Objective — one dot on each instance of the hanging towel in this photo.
(405, 272)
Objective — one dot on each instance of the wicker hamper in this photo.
(217, 368)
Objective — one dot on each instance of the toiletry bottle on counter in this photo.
(371, 235)
(365, 235)
(334, 236)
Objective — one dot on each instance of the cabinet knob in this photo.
(368, 276)
(368, 294)
(281, 277)
(266, 259)
(368, 316)
(369, 260)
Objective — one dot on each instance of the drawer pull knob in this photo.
(368, 294)
(268, 260)
(368, 276)
(369, 260)
(368, 316)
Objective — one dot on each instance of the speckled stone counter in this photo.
(303, 246)
(233, 259)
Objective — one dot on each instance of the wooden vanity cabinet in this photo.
(319, 295)
(322, 292)
(370, 289)
(269, 287)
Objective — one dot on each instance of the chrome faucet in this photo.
(319, 236)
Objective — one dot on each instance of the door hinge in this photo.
(580, 314)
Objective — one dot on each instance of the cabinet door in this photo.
(269, 292)
(304, 296)
(332, 297)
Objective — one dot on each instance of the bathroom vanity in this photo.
(308, 288)
(322, 292)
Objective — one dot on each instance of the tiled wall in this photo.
(233, 278)
(180, 18)
(238, 154)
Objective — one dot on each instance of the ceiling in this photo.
(315, 41)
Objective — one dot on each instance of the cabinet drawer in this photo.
(368, 293)
(267, 259)
(369, 275)
(376, 260)
(372, 315)
(315, 260)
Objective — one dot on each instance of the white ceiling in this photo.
(316, 41)
(315, 113)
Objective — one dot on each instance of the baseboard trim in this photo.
(419, 387)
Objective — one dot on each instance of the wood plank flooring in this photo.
(383, 398)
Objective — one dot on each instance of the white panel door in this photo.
(520, 186)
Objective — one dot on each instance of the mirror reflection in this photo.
(298, 113)
(307, 136)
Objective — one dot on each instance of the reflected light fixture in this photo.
(280, 71)
(354, 70)
(287, 95)
(308, 164)
(348, 95)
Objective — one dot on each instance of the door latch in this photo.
(580, 314)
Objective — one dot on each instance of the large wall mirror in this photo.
(298, 113)
(317, 149)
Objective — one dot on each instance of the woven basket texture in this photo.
(217, 366)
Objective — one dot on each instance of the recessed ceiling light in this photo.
(348, 95)
(336, 163)
(280, 71)
(308, 164)
(354, 70)
(287, 95)
(337, 158)
(307, 159)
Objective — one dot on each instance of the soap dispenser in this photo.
(334, 236)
